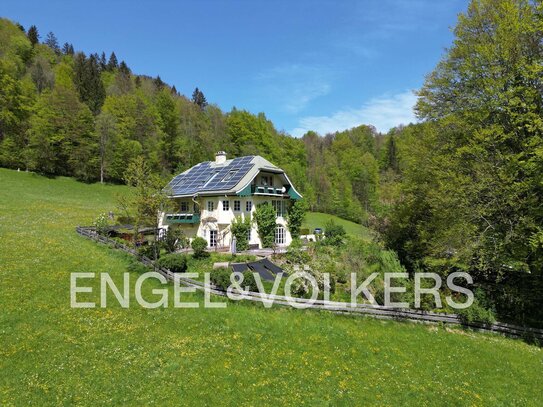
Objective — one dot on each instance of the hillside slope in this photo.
(244, 354)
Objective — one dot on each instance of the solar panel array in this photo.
(204, 177)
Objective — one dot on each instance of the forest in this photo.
(461, 190)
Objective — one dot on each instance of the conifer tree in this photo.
(33, 35)
(112, 63)
(52, 42)
(198, 98)
(103, 61)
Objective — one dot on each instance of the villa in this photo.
(210, 195)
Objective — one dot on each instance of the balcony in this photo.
(263, 190)
(175, 218)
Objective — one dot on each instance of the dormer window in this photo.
(229, 176)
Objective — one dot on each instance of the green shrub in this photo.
(174, 239)
(481, 310)
(148, 250)
(101, 223)
(240, 229)
(199, 245)
(265, 217)
(476, 313)
(220, 277)
(295, 253)
(295, 218)
(176, 263)
(249, 281)
(334, 233)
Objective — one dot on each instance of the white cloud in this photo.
(383, 112)
(294, 86)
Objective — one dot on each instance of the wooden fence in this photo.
(377, 311)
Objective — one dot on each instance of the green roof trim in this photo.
(247, 191)
(293, 194)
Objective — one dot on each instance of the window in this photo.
(210, 206)
(264, 180)
(248, 206)
(280, 207)
(212, 238)
(229, 176)
(280, 235)
(184, 206)
(237, 206)
(225, 205)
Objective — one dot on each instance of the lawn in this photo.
(51, 354)
(318, 220)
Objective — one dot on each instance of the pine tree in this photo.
(33, 35)
(159, 84)
(88, 81)
(198, 98)
(52, 42)
(112, 63)
(123, 79)
(103, 62)
(20, 27)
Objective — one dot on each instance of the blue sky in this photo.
(319, 65)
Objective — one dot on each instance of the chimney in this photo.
(220, 157)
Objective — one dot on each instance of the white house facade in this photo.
(210, 195)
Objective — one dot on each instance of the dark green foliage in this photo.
(249, 282)
(88, 81)
(334, 234)
(265, 217)
(198, 98)
(112, 62)
(150, 250)
(61, 136)
(240, 229)
(159, 83)
(199, 245)
(296, 254)
(67, 49)
(295, 218)
(476, 314)
(220, 277)
(174, 239)
(176, 263)
(33, 35)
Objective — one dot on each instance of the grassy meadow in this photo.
(318, 220)
(51, 354)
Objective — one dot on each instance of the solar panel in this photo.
(205, 177)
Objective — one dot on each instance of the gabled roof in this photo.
(227, 178)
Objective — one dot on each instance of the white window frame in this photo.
(183, 207)
(248, 206)
(213, 238)
(237, 206)
(229, 176)
(210, 206)
(280, 235)
(226, 205)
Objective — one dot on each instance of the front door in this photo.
(212, 238)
